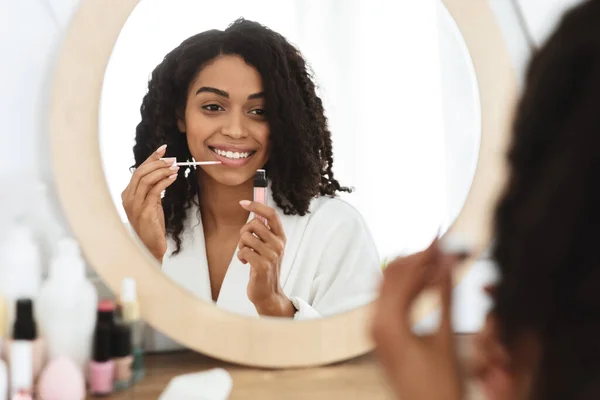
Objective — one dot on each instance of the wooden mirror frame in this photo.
(199, 325)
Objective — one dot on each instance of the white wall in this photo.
(30, 35)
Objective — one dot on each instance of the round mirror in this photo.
(403, 116)
(336, 139)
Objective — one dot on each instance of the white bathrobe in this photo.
(330, 264)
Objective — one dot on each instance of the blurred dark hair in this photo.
(547, 222)
(301, 158)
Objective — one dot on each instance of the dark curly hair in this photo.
(548, 220)
(301, 160)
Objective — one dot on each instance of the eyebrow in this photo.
(222, 93)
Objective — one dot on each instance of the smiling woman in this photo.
(302, 254)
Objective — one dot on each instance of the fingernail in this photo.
(169, 160)
(245, 203)
(161, 148)
(174, 167)
(173, 176)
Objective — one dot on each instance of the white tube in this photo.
(21, 366)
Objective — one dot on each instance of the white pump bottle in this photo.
(66, 307)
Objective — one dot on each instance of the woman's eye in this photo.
(212, 107)
(258, 111)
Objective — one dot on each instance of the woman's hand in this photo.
(262, 246)
(142, 200)
(419, 368)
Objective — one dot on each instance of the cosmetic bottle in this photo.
(66, 306)
(260, 189)
(61, 380)
(20, 266)
(102, 367)
(106, 313)
(23, 356)
(130, 313)
(122, 356)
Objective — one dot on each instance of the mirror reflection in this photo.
(272, 164)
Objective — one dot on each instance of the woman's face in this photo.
(225, 120)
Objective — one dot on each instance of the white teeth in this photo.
(234, 155)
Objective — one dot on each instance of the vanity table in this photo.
(357, 379)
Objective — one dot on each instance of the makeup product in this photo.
(195, 163)
(130, 313)
(66, 306)
(22, 395)
(61, 380)
(20, 266)
(260, 189)
(106, 313)
(122, 356)
(21, 349)
(102, 367)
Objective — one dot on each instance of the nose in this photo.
(234, 126)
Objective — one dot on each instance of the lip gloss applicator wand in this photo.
(195, 163)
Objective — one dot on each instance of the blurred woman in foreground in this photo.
(541, 340)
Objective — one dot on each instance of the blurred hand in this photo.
(418, 368)
(142, 200)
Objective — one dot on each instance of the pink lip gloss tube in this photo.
(102, 367)
(260, 189)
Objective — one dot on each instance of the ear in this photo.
(181, 125)
(493, 364)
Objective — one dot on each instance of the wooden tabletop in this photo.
(356, 379)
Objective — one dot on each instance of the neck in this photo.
(220, 204)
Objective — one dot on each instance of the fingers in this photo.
(247, 239)
(152, 172)
(150, 164)
(154, 194)
(147, 186)
(404, 279)
(265, 234)
(266, 212)
(489, 354)
(447, 266)
(160, 152)
(246, 255)
(407, 276)
(141, 179)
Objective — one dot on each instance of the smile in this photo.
(233, 155)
